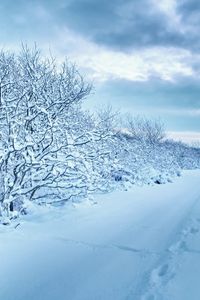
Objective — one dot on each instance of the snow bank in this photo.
(122, 245)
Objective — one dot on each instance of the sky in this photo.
(143, 56)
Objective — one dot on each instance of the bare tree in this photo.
(51, 150)
(39, 104)
(144, 129)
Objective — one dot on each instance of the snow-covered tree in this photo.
(143, 129)
(39, 107)
(51, 150)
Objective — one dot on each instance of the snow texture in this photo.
(143, 243)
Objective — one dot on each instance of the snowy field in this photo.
(138, 244)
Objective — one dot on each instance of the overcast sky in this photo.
(142, 55)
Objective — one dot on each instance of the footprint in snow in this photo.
(161, 275)
(179, 247)
(163, 270)
(159, 278)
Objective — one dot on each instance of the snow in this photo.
(137, 244)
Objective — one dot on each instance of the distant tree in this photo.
(144, 129)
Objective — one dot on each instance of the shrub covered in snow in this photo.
(51, 150)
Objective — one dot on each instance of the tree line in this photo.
(51, 150)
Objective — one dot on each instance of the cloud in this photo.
(129, 25)
(132, 40)
(142, 55)
(166, 64)
(104, 64)
(189, 8)
(121, 25)
(190, 137)
(129, 40)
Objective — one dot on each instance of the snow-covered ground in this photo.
(138, 244)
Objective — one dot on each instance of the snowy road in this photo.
(139, 244)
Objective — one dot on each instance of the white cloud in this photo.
(139, 65)
(169, 9)
(190, 137)
(103, 64)
(189, 112)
